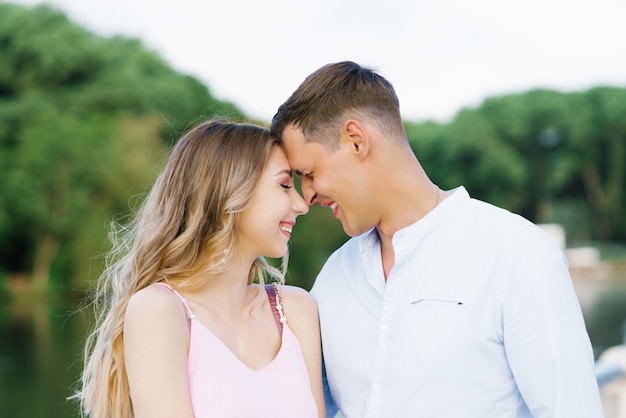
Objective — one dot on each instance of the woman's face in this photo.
(267, 224)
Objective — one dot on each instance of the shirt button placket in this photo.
(382, 342)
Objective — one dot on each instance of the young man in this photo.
(440, 305)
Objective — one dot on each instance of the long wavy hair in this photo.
(186, 228)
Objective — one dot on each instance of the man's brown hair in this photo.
(335, 92)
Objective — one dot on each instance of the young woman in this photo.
(186, 325)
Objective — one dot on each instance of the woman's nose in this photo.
(298, 204)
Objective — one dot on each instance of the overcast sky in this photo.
(440, 55)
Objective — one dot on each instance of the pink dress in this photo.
(222, 386)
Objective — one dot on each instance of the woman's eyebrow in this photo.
(285, 171)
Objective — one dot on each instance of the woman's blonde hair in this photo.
(186, 228)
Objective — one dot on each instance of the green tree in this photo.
(542, 153)
(600, 146)
(83, 120)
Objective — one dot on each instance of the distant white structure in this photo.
(579, 257)
(556, 232)
(614, 393)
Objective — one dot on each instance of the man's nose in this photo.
(308, 193)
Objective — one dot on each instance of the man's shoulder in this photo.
(503, 227)
(497, 216)
(474, 212)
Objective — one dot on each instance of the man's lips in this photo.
(333, 206)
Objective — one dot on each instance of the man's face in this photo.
(330, 178)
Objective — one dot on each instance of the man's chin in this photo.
(351, 231)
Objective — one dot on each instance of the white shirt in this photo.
(478, 319)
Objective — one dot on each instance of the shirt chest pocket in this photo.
(441, 320)
(436, 303)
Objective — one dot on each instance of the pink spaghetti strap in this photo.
(190, 315)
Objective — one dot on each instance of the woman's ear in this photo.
(357, 137)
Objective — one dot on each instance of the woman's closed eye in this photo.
(285, 180)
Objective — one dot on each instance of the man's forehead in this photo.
(294, 143)
(296, 152)
(293, 134)
(297, 162)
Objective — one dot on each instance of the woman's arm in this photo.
(301, 312)
(156, 345)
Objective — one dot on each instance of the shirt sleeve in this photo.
(543, 330)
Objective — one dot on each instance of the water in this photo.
(40, 355)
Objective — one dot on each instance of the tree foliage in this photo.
(83, 121)
(550, 156)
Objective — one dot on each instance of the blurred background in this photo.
(89, 108)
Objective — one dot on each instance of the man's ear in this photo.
(357, 137)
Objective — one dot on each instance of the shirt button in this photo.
(376, 387)
(384, 328)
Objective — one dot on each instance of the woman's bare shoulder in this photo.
(154, 303)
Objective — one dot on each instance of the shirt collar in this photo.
(406, 239)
